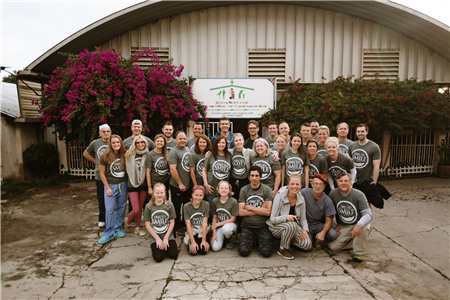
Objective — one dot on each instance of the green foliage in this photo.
(444, 151)
(41, 159)
(10, 78)
(399, 107)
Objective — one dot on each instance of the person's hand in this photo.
(291, 218)
(356, 231)
(182, 187)
(214, 239)
(338, 230)
(193, 248)
(159, 244)
(320, 237)
(205, 245)
(150, 190)
(275, 157)
(109, 192)
(165, 243)
(208, 154)
(266, 204)
(214, 226)
(209, 189)
(274, 193)
(303, 235)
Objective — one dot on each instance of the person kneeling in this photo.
(224, 209)
(196, 215)
(353, 214)
(159, 218)
(288, 218)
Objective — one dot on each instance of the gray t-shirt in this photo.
(114, 172)
(317, 210)
(268, 165)
(363, 157)
(96, 149)
(294, 164)
(224, 211)
(129, 140)
(318, 165)
(348, 208)
(191, 144)
(159, 217)
(217, 170)
(321, 150)
(160, 171)
(171, 144)
(181, 158)
(238, 165)
(341, 165)
(272, 143)
(343, 146)
(255, 198)
(198, 161)
(196, 215)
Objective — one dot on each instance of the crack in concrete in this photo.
(62, 285)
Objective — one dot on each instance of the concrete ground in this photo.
(50, 250)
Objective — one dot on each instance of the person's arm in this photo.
(264, 210)
(213, 229)
(208, 188)
(176, 177)
(192, 172)
(149, 180)
(243, 212)
(283, 171)
(88, 156)
(330, 180)
(365, 219)
(167, 236)
(277, 183)
(326, 227)
(159, 242)
(275, 217)
(194, 246)
(220, 224)
(102, 170)
(205, 232)
(376, 170)
(306, 172)
(353, 172)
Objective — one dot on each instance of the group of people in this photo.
(284, 186)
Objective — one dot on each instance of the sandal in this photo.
(139, 231)
(127, 228)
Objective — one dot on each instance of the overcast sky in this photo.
(30, 28)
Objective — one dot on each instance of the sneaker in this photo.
(105, 240)
(101, 224)
(119, 233)
(139, 231)
(357, 257)
(284, 253)
(228, 244)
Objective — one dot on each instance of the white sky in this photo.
(30, 28)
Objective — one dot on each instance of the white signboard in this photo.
(242, 98)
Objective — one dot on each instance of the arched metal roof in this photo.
(425, 30)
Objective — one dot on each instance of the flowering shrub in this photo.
(400, 107)
(100, 87)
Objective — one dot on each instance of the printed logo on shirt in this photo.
(197, 220)
(138, 161)
(312, 171)
(322, 152)
(185, 161)
(161, 166)
(239, 166)
(101, 149)
(116, 169)
(360, 158)
(221, 169)
(343, 149)
(200, 166)
(255, 201)
(222, 214)
(294, 165)
(347, 212)
(192, 148)
(168, 149)
(335, 171)
(265, 167)
(160, 221)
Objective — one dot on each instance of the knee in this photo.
(229, 229)
(331, 235)
(244, 251)
(266, 252)
(216, 246)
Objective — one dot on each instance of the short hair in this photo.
(238, 134)
(229, 186)
(255, 168)
(324, 127)
(339, 176)
(281, 122)
(305, 125)
(168, 123)
(272, 123)
(295, 176)
(268, 151)
(178, 132)
(254, 122)
(363, 125)
(332, 139)
(198, 123)
(312, 141)
(314, 121)
(224, 119)
(197, 147)
(342, 123)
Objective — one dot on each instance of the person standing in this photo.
(255, 205)
(93, 153)
(167, 130)
(180, 181)
(113, 174)
(284, 129)
(317, 163)
(273, 134)
(305, 131)
(253, 129)
(157, 166)
(224, 125)
(342, 131)
(324, 133)
(353, 216)
(202, 146)
(295, 161)
(337, 163)
(136, 129)
(314, 130)
(197, 130)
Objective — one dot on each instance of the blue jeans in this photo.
(115, 208)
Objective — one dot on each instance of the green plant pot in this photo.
(443, 171)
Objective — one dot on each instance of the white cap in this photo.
(136, 122)
(103, 126)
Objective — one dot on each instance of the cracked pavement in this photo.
(50, 251)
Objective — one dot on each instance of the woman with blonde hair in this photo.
(113, 174)
(262, 158)
(337, 162)
(137, 185)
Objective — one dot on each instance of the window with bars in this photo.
(267, 64)
(385, 63)
(144, 62)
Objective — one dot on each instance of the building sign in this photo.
(242, 98)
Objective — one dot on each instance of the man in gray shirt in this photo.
(136, 129)
(342, 131)
(353, 216)
(197, 130)
(92, 154)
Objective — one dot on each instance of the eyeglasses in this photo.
(318, 183)
(141, 142)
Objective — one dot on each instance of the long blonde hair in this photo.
(109, 156)
(132, 150)
(152, 200)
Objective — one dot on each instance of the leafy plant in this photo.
(444, 151)
(41, 159)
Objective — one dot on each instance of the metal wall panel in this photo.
(214, 42)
